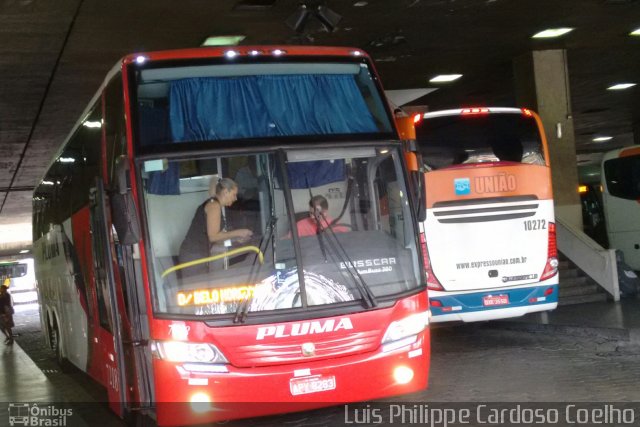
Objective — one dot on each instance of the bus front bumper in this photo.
(185, 398)
(492, 305)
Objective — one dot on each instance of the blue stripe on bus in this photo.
(473, 301)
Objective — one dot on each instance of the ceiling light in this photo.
(621, 86)
(24, 251)
(444, 78)
(635, 32)
(360, 3)
(223, 40)
(602, 138)
(552, 32)
(92, 124)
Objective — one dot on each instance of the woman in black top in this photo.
(208, 228)
(6, 314)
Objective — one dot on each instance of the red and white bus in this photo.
(488, 232)
(278, 323)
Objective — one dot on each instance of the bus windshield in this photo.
(353, 245)
(455, 139)
(206, 102)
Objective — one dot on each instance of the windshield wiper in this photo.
(368, 297)
(243, 307)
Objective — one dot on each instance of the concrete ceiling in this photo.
(54, 55)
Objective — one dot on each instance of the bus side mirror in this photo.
(123, 209)
(417, 185)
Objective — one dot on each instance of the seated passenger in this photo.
(208, 231)
(318, 219)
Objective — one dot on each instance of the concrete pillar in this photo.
(542, 84)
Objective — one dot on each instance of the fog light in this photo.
(200, 402)
(403, 375)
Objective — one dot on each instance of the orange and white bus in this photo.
(620, 179)
(280, 322)
(488, 235)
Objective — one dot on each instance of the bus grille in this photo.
(290, 352)
(485, 210)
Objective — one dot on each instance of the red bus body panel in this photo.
(262, 390)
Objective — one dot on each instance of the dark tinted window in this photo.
(65, 187)
(623, 177)
(115, 134)
(457, 139)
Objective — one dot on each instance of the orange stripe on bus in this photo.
(630, 152)
(489, 182)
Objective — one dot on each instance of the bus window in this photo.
(454, 139)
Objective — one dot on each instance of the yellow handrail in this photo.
(232, 252)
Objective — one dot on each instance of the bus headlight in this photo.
(180, 351)
(403, 375)
(410, 326)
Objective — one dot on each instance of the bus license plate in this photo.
(492, 300)
(313, 384)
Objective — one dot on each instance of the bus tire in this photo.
(62, 361)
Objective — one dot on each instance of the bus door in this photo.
(109, 325)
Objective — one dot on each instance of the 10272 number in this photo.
(535, 224)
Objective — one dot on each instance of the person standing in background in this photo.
(6, 312)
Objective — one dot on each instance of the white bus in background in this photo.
(620, 180)
(22, 285)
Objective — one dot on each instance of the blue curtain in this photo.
(315, 173)
(263, 106)
(217, 108)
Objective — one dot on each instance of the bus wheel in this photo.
(63, 363)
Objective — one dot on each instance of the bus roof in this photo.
(628, 151)
(476, 110)
(257, 51)
(205, 52)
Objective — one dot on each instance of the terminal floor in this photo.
(608, 319)
(486, 362)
